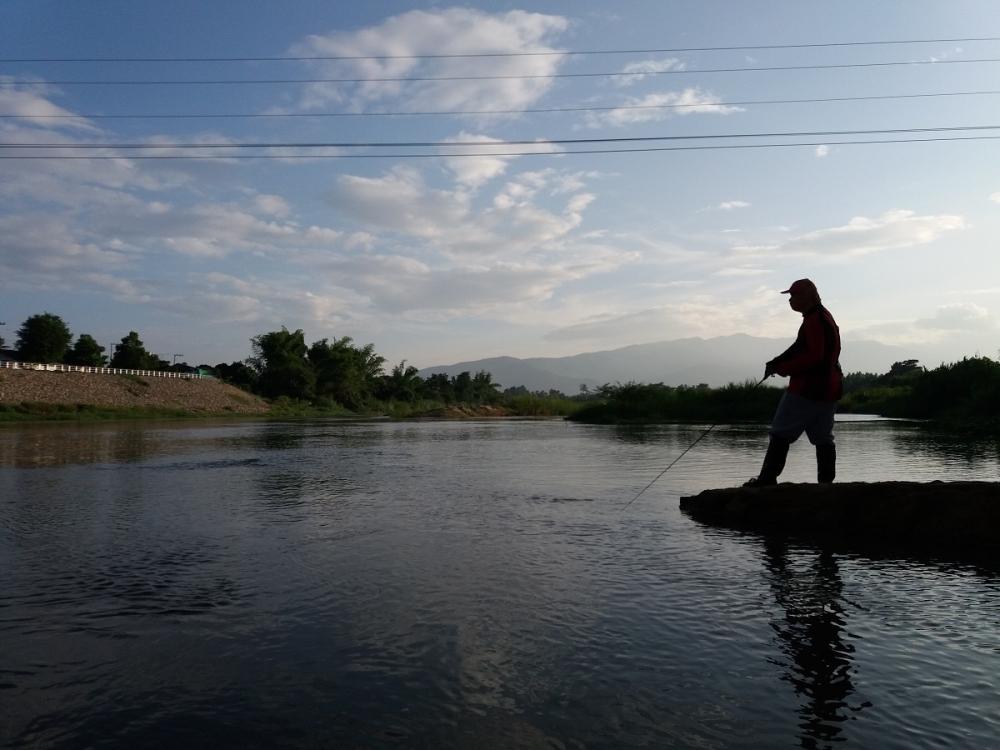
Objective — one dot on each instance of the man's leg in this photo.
(788, 423)
(820, 433)
(774, 461)
(826, 463)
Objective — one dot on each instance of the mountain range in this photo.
(715, 361)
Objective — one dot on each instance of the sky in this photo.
(435, 257)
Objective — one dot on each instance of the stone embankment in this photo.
(195, 395)
(961, 517)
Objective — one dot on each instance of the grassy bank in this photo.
(650, 403)
(285, 408)
(527, 405)
(40, 412)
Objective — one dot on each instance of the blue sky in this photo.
(445, 259)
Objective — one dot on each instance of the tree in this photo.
(462, 387)
(279, 359)
(439, 386)
(484, 390)
(238, 374)
(899, 369)
(43, 338)
(346, 373)
(86, 352)
(131, 354)
(403, 383)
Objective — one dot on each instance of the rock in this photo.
(959, 517)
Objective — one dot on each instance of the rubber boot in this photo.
(774, 463)
(826, 463)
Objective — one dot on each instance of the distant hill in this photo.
(715, 361)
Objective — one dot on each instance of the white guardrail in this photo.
(98, 370)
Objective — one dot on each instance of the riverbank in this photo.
(28, 395)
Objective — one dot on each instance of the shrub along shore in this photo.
(962, 396)
(28, 395)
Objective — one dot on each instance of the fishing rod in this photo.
(711, 427)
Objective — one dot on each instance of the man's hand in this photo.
(769, 369)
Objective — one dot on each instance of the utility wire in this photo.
(712, 147)
(391, 79)
(443, 113)
(527, 53)
(495, 144)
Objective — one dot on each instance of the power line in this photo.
(443, 113)
(390, 79)
(496, 144)
(526, 53)
(708, 147)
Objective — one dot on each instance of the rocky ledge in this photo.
(957, 516)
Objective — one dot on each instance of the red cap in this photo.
(802, 286)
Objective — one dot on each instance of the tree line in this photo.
(339, 372)
(46, 338)
(962, 396)
(282, 365)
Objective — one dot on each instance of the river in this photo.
(468, 584)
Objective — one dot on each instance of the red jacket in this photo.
(813, 360)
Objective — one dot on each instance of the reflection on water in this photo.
(813, 639)
(48, 445)
(447, 584)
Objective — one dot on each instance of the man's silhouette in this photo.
(816, 385)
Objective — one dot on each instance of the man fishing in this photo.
(816, 385)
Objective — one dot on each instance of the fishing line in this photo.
(702, 435)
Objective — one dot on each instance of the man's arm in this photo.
(799, 357)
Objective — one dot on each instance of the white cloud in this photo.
(400, 201)
(513, 226)
(822, 151)
(995, 197)
(660, 106)
(695, 315)
(398, 284)
(31, 107)
(273, 205)
(286, 295)
(743, 271)
(49, 246)
(862, 235)
(892, 230)
(473, 171)
(437, 32)
(954, 328)
(637, 71)
(960, 316)
(731, 205)
(755, 249)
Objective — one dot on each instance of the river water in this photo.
(468, 584)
